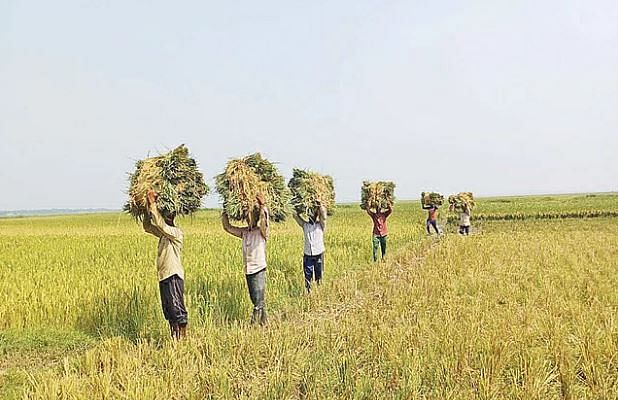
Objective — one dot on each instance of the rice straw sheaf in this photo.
(432, 198)
(243, 180)
(307, 189)
(458, 201)
(377, 195)
(176, 179)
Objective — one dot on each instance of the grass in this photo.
(520, 309)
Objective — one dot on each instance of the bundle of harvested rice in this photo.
(431, 198)
(458, 201)
(176, 179)
(377, 195)
(246, 178)
(307, 189)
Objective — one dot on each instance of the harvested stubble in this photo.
(246, 178)
(377, 195)
(176, 179)
(459, 200)
(308, 188)
(431, 198)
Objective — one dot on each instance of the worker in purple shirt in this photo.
(313, 232)
(380, 231)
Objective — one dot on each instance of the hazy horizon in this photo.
(494, 98)
(339, 203)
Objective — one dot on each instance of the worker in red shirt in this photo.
(380, 231)
(432, 218)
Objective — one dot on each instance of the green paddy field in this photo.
(524, 308)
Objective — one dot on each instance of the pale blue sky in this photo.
(497, 97)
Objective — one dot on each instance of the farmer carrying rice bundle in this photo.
(253, 191)
(377, 200)
(160, 189)
(313, 198)
(254, 239)
(430, 201)
(462, 203)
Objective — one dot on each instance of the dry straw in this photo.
(246, 178)
(431, 198)
(308, 188)
(459, 200)
(377, 196)
(176, 179)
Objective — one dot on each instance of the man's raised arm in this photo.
(301, 222)
(149, 227)
(322, 215)
(264, 223)
(232, 230)
(157, 220)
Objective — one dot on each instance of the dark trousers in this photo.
(172, 300)
(379, 243)
(313, 266)
(430, 223)
(464, 229)
(256, 283)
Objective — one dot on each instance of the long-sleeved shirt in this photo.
(253, 243)
(379, 222)
(313, 232)
(170, 245)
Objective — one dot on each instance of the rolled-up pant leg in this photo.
(256, 284)
(172, 300)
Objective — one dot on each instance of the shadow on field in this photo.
(225, 300)
(120, 313)
(135, 313)
(222, 301)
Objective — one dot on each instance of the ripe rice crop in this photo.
(521, 309)
(520, 216)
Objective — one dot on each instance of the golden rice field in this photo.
(521, 309)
